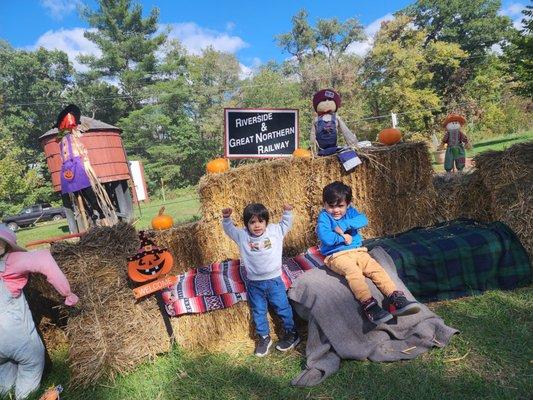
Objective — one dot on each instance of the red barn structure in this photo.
(108, 159)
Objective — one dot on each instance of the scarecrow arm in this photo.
(349, 137)
(42, 262)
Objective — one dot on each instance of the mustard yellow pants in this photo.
(355, 265)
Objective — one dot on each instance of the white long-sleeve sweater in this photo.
(261, 255)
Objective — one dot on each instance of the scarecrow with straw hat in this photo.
(22, 352)
(456, 141)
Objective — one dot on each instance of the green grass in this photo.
(182, 205)
(497, 143)
(490, 359)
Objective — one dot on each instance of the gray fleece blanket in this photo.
(337, 328)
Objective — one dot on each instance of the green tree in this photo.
(474, 25)
(128, 43)
(519, 55)
(398, 74)
(32, 84)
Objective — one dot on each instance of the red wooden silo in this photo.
(108, 159)
(104, 147)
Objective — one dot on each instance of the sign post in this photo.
(260, 132)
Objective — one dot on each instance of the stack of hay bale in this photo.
(393, 187)
(508, 176)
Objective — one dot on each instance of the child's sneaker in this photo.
(399, 305)
(289, 341)
(262, 347)
(374, 312)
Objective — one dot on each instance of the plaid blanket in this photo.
(457, 258)
(221, 285)
(446, 261)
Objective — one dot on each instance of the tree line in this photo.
(433, 57)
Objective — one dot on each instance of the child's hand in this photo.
(339, 230)
(347, 239)
(226, 212)
(287, 207)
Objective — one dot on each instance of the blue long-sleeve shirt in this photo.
(330, 241)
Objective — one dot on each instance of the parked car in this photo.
(32, 214)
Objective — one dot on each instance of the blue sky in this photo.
(246, 28)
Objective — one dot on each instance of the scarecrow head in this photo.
(69, 118)
(149, 262)
(326, 101)
(453, 122)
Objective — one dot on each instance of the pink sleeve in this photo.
(43, 263)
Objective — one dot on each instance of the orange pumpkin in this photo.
(390, 136)
(162, 221)
(301, 153)
(217, 166)
(150, 265)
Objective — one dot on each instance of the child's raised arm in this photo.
(286, 219)
(228, 226)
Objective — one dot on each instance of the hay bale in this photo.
(462, 196)
(508, 175)
(392, 186)
(272, 183)
(111, 333)
(182, 242)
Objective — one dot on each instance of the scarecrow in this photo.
(22, 352)
(456, 141)
(325, 126)
(78, 178)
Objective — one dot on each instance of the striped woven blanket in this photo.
(223, 284)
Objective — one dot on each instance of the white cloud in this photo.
(195, 38)
(249, 71)
(58, 9)
(514, 11)
(71, 41)
(361, 48)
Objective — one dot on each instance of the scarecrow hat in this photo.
(147, 247)
(454, 118)
(72, 109)
(326, 94)
(8, 236)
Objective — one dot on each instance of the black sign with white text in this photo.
(260, 133)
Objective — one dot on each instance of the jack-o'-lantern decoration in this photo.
(150, 262)
(68, 174)
(390, 136)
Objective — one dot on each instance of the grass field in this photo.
(182, 206)
(490, 359)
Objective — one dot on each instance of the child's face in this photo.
(256, 227)
(338, 210)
